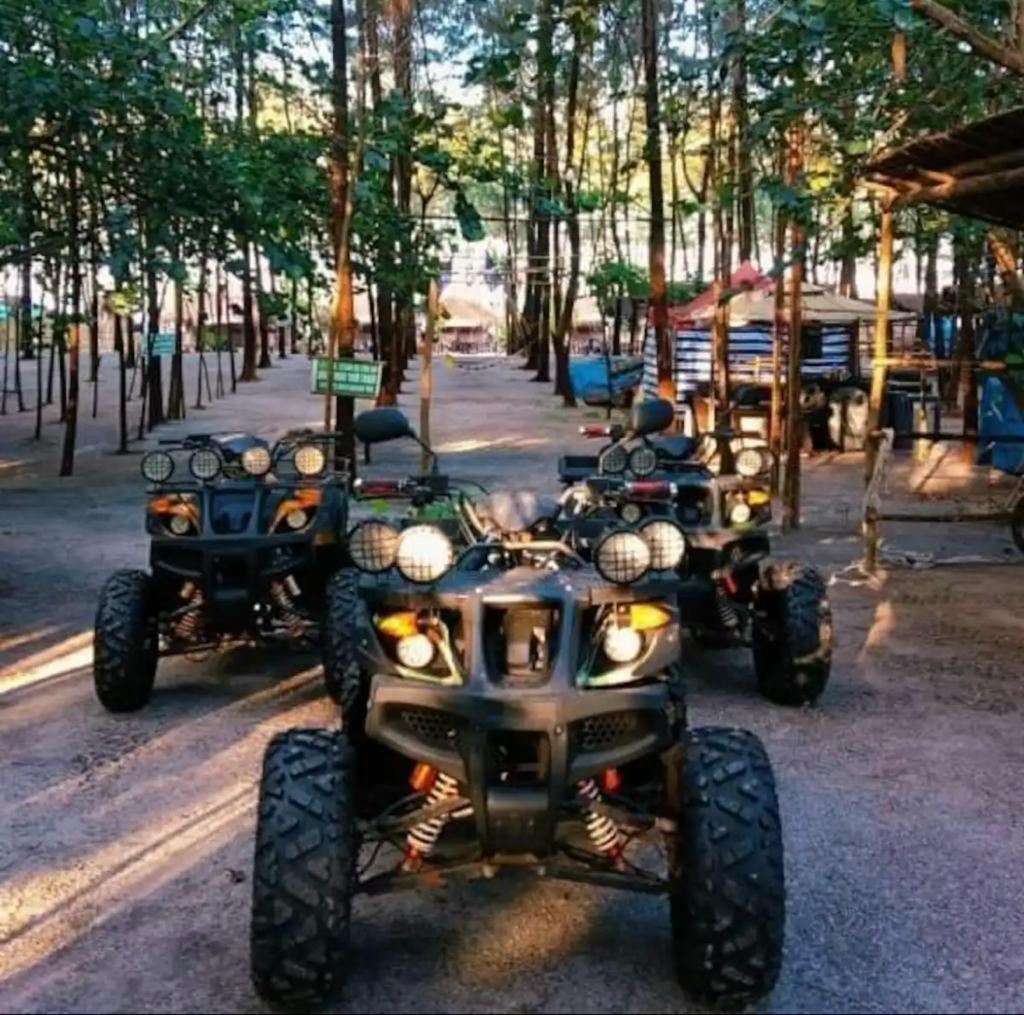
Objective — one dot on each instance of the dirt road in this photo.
(125, 842)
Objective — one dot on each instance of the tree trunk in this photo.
(543, 133)
(67, 458)
(342, 333)
(656, 244)
(744, 181)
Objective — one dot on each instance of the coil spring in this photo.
(727, 615)
(286, 605)
(601, 829)
(422, 838)
(186, 628)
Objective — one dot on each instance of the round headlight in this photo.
(157, 467)
(424, 553)
(415, 651)
(296, 519)
(751, 462)
(310, 460)
(622, 644)
(205, 464)
(179, 525)
(372, 546)
(614, 460)
(739, 513)
(666, 542)
(642, 461)
(622, 557)
(631, 513)
(256, 460)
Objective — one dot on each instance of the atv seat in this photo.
(678, 447)
(509, 511)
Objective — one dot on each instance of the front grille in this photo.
(231, 512)
(520, 643)
(693, 506)
(439, 729)
(610, 730)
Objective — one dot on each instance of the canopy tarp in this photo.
(817, 306)
(744, 279)
(975, 170)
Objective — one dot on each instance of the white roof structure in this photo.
(818, 306)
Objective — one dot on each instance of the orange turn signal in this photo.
(399, 625)
(647, 616)
(423, 777)
(611, 780)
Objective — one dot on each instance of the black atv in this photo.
(730, 594)
(515, 706)
(240, 550)
(428, 497)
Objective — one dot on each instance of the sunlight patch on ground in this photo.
(881, 627)
(456, 447)
(56, 661)
(54, 909)
(12, 641)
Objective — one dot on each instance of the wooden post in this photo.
(778, 329)
(794, 435)
(427, 374)
(878, 374)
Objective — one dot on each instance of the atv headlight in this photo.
(424, 553)
(310, 460)
(614, 460)
(256, 460)
(752, 462)
(642, 461)
(622, 557)
(666, 542)
(205, 464)
(372, 546)
(415, 651)
(631, 513)
(622, 644)
(739, 513)
(157, 467)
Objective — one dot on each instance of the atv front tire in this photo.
(343, 676)
(304, 868)
(792, 634)
(728, 899)
(125, 646)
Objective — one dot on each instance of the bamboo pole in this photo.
(427, 373)
(794, 437)
(878, 374)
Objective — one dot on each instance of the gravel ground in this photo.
(125, 842)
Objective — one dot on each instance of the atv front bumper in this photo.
(565, 732)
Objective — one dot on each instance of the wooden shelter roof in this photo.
(976, 170)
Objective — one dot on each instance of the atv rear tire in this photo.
(125, 646)
(792, 634)
(346, 683)
(728, 897)
(304, 867)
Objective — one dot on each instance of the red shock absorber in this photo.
(602, 830)
(422, 838)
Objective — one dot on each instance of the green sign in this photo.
(357, 378)
(162, 344)
(4, 312)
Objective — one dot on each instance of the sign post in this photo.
(352, 378)
(162, 344)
